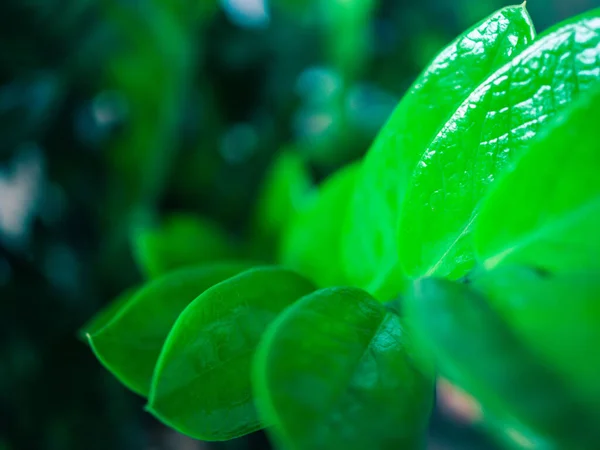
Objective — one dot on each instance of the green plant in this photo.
(477, 205)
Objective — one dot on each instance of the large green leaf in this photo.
(335, 370)
(312, 241)
(370, 233)
(482, 140)
(477, 348)
(201, 385)
(130, 340)
(547, 212)
(557, 316)
(182, 240)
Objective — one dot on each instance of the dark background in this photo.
(119, 112)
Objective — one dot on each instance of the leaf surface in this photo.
(485, 137)
(477, 348)
(201, 386)
(546, 213)
(312, 242)
(370, 234)
(129, 344)
(335, 370)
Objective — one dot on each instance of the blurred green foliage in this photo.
(118, 115)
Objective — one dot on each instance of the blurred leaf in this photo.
(484, 138)
(153, 72)
(553, 197)
(283, 193)
(335, 371)
(476, 348)
(201, 386)
(129, 345)
(556, 316)
(370, 240)
(182, 241)
(311, 243)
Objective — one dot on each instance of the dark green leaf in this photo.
(547, 212)
(335, 370)
(201, 386)
(129, 345)
(370, 253)
(181, 241)
(483, 139)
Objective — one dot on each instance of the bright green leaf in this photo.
(557, 316)
(201, 386)
(370, 253)
(312, 241)
(182, 241)
(476, 348)
(335, 370)
(482, 140)
(129, 345)
(547, 212)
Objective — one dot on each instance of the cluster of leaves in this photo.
(478, 203)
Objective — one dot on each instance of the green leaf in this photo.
(130, 343)
(553, 197)
(484, 138)
(182, 241)
(106, 314)
(557, 316)
(201, 385)
(481, 352)
(311, 243)
(370, 253)
(282, 195)
(335, 370)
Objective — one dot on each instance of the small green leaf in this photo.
(182, 241)
(105, 315)
(311, 243)
(282, 195)
(130, 343)
(484, 138)
(335, 370)
(546, 213)
(476, 348)
(201, 385)
(370, 238)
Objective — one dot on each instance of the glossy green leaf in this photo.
(370, 252)
(312, 242)
(282, 195)
(335, 370)
(181, 241)
(547, 212)
(130, 343)
(480, 351)
(201, 386)
(483, 139)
